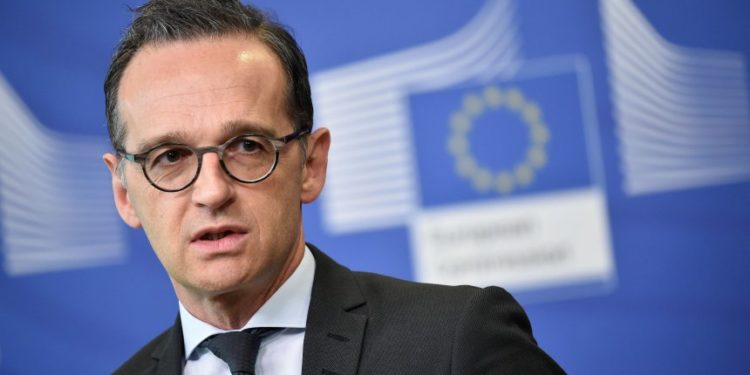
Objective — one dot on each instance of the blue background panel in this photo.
(679, 306)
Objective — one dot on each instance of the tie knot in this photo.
(239, 349)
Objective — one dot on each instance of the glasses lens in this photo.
(249, 158)
(171, 167)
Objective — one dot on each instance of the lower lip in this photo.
(227, 244)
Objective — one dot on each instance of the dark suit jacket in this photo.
(362, 323)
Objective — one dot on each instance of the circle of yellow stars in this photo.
(483, 178)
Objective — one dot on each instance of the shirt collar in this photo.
(287, 307)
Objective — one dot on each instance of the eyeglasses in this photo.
(248, 158)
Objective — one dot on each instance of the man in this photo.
(209, 111)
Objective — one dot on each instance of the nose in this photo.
(213, 188)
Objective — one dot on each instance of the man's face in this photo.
(218, 235)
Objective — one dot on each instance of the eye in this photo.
(172, 156)
(249, 145)
(169, 156)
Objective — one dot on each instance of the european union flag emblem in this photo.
(508, 183)
(501, 139)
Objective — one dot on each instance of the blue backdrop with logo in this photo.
(639, 107)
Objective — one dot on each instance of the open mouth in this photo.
(216, 236)
(219, 239)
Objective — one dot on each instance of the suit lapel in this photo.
(336, 323)
(336, 320)
(168, 355)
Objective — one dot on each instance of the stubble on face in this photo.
(201, 93)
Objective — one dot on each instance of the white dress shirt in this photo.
(280, 353)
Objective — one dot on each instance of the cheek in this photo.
(278, 212)
(157, 215)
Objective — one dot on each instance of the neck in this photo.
(233, 309)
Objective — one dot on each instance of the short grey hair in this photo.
(161, 21)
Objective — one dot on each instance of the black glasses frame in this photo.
(278, 144)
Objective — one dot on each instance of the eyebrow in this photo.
(229, 129)
(177, 136)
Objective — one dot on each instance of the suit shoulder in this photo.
(394, 296)
(143, 358)
(392, 287)
(455, 308)
(482, 330)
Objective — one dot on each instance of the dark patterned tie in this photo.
(238, 349)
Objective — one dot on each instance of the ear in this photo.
(316, 164)
(120, 193)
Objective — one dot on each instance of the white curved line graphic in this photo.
(368, 99)
(55, 196)
(682, 113)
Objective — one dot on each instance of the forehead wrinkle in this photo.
(199, 96)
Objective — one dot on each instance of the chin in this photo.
(215, 282)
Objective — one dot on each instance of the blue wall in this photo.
(677, 302)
